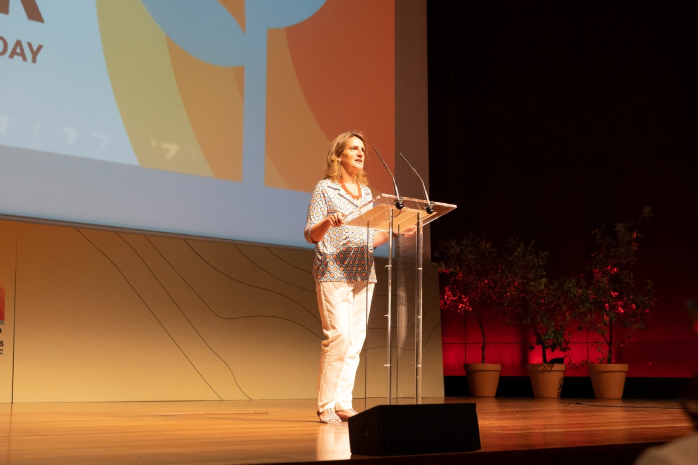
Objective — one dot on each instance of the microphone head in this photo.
(399, 204)
(430, 209)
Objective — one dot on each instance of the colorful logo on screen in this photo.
(31, 9)
(2, 306)
(193, 79)
(21, 49)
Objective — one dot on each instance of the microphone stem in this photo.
(430, 204)
(398, 202)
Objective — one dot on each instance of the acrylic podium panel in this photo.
(402, 336)
(376, 213)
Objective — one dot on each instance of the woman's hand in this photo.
(409, 231)
(318, 231)
(335, 219)
(382, 237)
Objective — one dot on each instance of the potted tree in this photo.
(543, 305)
(548, 314)
(611, 300)
(472, 269)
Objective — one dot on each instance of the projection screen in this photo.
(205, 118)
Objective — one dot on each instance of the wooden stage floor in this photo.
(288, 431)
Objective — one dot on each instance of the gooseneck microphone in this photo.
(398, 202)
(430, 204)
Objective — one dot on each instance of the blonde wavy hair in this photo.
(337, 146)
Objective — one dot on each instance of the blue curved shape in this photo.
(272, 14)
(204, 29)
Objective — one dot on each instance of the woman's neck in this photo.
(347, 178)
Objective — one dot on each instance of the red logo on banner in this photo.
(31, 9)
(2, 306)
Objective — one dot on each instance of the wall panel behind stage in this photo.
(108, 316)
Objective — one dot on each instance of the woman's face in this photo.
(352, 158)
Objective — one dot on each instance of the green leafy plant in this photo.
(530, 298)
(609, 295)
(472, 269)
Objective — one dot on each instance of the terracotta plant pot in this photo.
(608, 379)
(483, 378)
(546, 378)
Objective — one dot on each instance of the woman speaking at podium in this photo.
(344, 272)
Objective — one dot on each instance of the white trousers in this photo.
(343, 312)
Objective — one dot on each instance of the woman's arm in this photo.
(318, 230)
(382, 237)
(318, 220)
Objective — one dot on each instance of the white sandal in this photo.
(329, 417)
(345, 414)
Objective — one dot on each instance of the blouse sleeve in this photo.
(372, 234)
(373, 237)
(317, 211)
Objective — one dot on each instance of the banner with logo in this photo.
(7, 278)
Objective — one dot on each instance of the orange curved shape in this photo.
(344, 57)
(146, 90)
(214, 105)
(295, 142)
(237, 9)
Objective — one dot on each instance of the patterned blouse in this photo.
(341, 255)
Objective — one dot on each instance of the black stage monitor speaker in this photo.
(414, 429)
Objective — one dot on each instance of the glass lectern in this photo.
(382, 213)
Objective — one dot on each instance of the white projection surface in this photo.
(198, 117)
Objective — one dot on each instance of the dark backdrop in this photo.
(548, 119)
